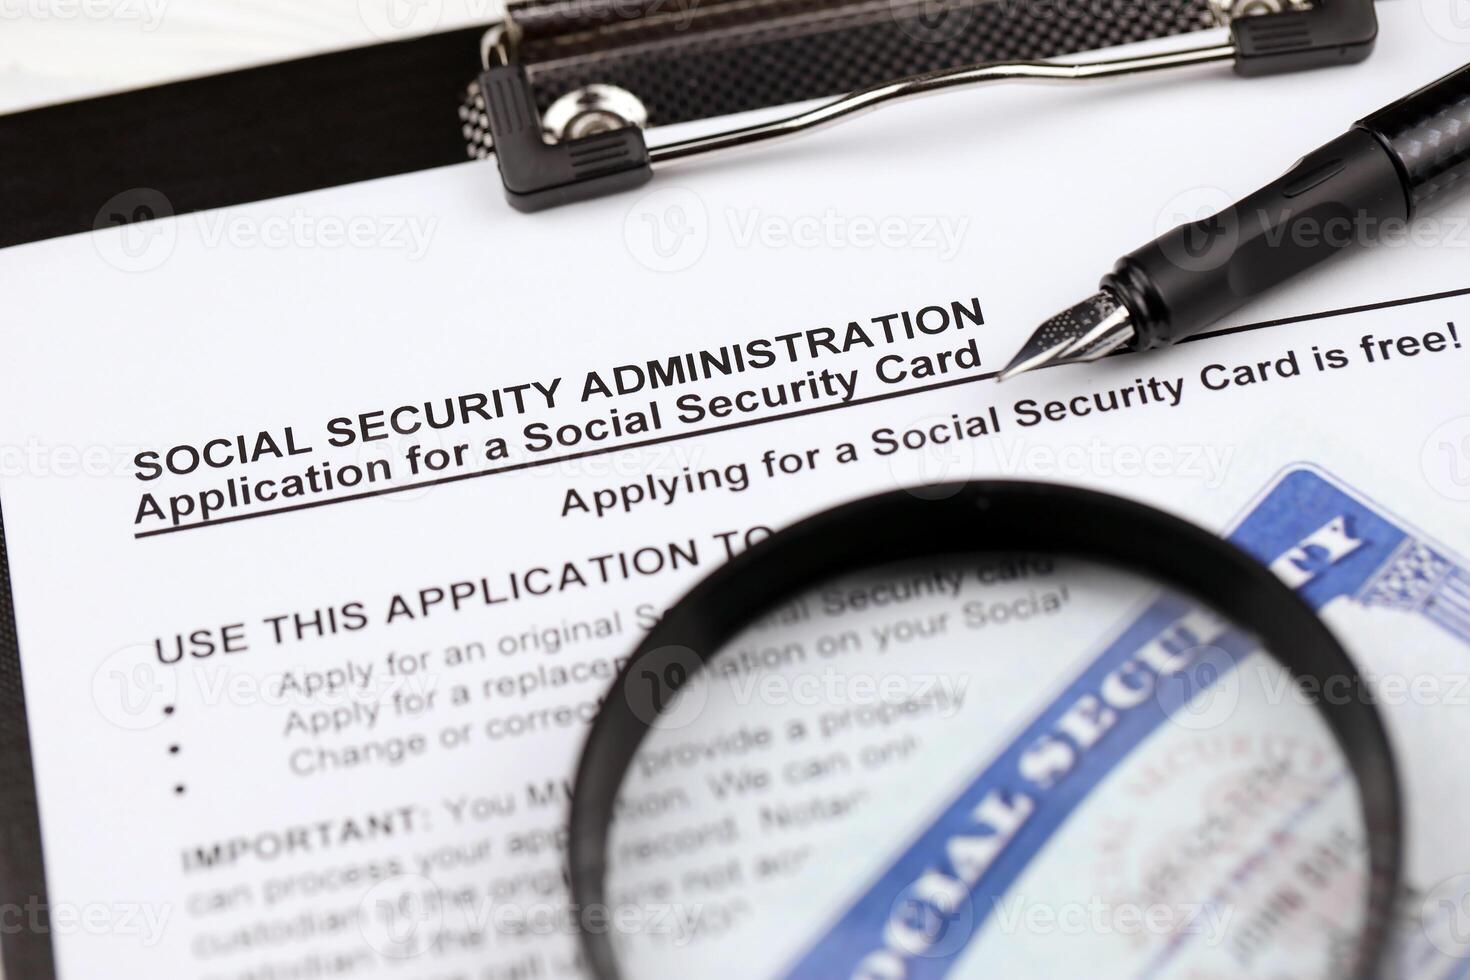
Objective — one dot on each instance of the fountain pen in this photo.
(1381, 173)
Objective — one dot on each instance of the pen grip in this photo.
(1429, 135)
(1333, 198)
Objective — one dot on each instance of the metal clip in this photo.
(591, 155)
(591, 142)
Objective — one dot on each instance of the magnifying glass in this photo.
(986, 729)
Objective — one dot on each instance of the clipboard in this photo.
(395, 108)
(412, 105)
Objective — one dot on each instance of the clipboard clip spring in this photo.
(590, 145)
(591, 141)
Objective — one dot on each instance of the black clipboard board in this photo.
(401, 107)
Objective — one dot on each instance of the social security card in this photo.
(1179, 808)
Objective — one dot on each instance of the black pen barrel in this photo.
(1349, 192)
(1333, 199)
(1428, 133)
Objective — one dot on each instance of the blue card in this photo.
(1327, 542)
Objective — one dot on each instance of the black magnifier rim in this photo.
(960, 518)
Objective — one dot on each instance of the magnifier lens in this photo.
(991, 765)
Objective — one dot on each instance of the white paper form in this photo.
(375, 683)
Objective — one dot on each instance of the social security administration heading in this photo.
(678, 370)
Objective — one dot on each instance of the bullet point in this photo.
(168, 709)
(179, 790)
(173, 750)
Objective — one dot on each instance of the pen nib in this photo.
(1094, 327)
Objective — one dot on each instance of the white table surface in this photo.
(60, 50)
